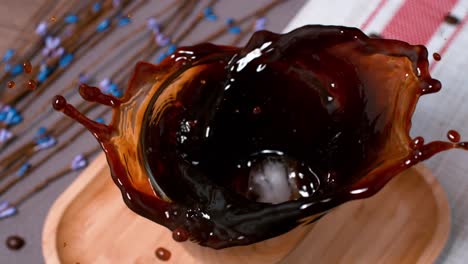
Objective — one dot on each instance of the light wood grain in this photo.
(407, 222)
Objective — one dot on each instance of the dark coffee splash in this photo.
(230, 146)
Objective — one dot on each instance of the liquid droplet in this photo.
(11, 84)
(32, 84)
(257, 110)
(59, 102)
(418, 142)
(180, 235)
(436, 56)
(27, 67)
(163, 254)
(453, 136)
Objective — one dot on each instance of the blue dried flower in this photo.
(65, 60)
(103, 25)
(8, 55)
(71, 19)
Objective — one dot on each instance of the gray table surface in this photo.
(13, 14)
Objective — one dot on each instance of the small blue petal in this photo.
(123, 21)
(83, 77)
(65, 60)
(23, 169)
(17, 69)
(235, 30)
(41, 77)
(45, 142)
(97, 7)
(8, 54)
(71, 19)
(16, 120)
(43, 74)
(4, 205)
(5, 136)
(230, 21)
(103, 25)
(117, 93)
(79, 161)
(112, 87)
(158, 60)
(208, 10)
(39, 140)
(211, 17)
(171, 49)
(100, 120)
(10, 211)
(10, 116)
(162, 40)
(41, 131)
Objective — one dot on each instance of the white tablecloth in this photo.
(421, 22)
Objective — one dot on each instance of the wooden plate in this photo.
(407, 222)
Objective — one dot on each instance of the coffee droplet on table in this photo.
(163, 254)
(436, 56)
(15, 242)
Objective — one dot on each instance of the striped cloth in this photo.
(422, 22)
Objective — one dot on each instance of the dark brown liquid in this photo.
(180, 235)
(327, 106)
(163, 254)
(436, 56)
(453, 136)
(15, 242)
(27, 67)
(32, 84)
(450, 19)
(11, 84)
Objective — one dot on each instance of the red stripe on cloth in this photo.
(450, 40)
(373, 14)
(417, 20)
